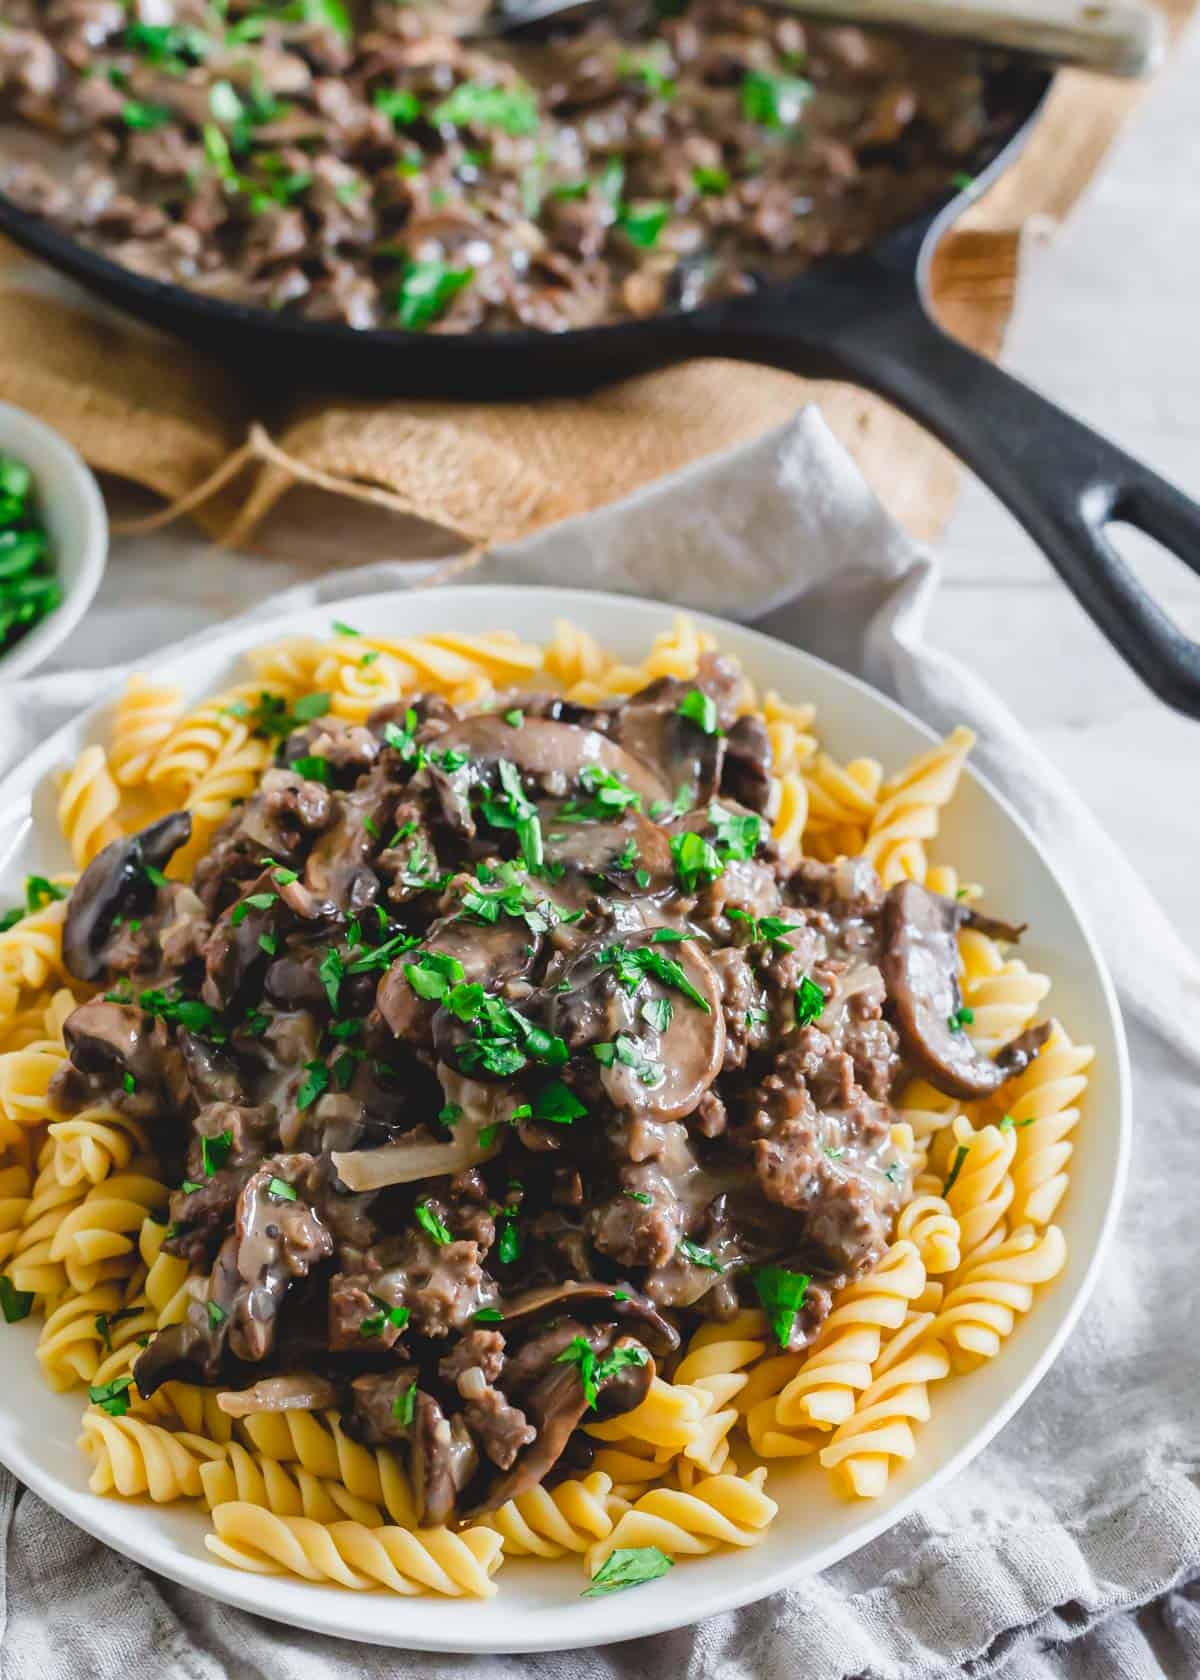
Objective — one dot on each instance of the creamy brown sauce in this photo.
(395, 175)
(536, 1060)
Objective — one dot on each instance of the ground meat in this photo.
(639, 164)
(439, 1151)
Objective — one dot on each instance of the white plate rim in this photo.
(627, 1615)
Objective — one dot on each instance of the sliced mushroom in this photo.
(117, 1041)
(556, 1406)
(615, 852)
(629, 1384)
(441, 1462)
(555, 753)
(115, 884)
(618, 1300)
(488, 954)
(651, 1070)
(920, 969)
(686, 756)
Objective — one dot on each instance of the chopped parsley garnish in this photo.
(1008, 1124)
(738, 832)
(775, 102)
(405, 1404)
(578, 1352)
(426, 291)
(111, 1397)
(137, 113)
(312, 767)
(701, 709)
(153, 875)
(382, 956)
(710, 180)
(104, 1324)
(642, 222)
(628, 1566)
(376, 1323)
(489, 1315)
(809, 1001)
(429, 1222)
(280, 1190)
(961, 1018)
(475, 105)
(558, 1104)
(628, 1051)
(515, 717)
(332, 970)
(513, 809)
(269, 943)
(340, 629)
(763, 930)
(450, 1113)
(15, 1303)
(403, 107)
(315, 1081)
(639, 1196)
(657, 1013)
(216, 1314)
(632, 967)
(782, 1294)
(502, 1039)
(696, 861)
(253, 901)
(128, 1083)
(403, 740)
(960, 1156)
(214, 1152)
(189, 1186)
(434, 975)
(608, 797)
(509, 1242)
(39, 892)
(699, 1256)
(190, 1013)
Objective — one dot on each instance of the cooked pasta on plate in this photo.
(479, 1100)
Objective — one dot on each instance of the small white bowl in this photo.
(72, 509)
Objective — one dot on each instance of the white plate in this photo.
(538, 1606)
(72, 508)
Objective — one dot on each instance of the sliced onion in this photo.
(302, 1391)
(863, 977)
(404, 1163)
(479, 1106)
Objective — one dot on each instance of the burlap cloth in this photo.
(153, 412)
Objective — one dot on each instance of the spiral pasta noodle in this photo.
(145, 715)
(988, 1295)
(291, 1492)
(822, 1392)
(87, 803)
(549, 1522)
(1042, 1111)
(878, 1434)
(909, 809)
(350, 1554)
(134, 1457)
(719, 1511)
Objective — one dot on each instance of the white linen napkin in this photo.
(1086, 1506)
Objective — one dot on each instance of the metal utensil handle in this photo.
(1124, 37)
(1064, 482)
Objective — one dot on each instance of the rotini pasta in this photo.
(352, 1555)
(146, 714)
(84, 1209)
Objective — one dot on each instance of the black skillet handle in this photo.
(1064, 482)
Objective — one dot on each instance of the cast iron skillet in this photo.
(861, 318)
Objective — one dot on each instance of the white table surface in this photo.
(1106, 325)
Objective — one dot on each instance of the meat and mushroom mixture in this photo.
(491, 1054)
(365, 161)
